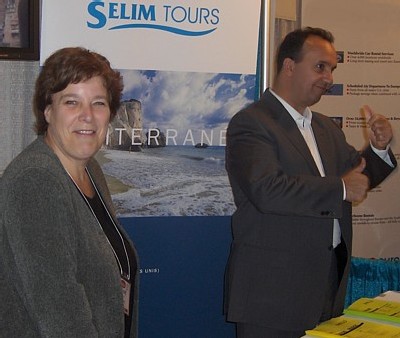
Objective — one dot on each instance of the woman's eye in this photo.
(70, 102)
(100, 103)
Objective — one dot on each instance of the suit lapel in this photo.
(290, 129)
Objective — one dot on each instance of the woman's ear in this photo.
(47, 113)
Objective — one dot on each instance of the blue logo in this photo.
(335, 90)
(119, 15)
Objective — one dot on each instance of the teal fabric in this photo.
(370, 277)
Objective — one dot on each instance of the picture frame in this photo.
(19, 29)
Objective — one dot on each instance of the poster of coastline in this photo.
(165, 150)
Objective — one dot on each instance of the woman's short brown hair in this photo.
(73, 65)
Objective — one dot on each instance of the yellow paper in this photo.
(376, 309)
(353, 328)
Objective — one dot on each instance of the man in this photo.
(293, 178)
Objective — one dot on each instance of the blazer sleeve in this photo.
(377, 169)
(38, 219)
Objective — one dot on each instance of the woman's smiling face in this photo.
(78, 119)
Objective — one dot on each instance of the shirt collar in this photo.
(302, 121)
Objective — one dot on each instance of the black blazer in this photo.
(282, 228)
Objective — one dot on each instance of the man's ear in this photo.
(288, 65)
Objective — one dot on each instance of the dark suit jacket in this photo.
(282, 228)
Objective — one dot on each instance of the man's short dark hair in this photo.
(292, 45)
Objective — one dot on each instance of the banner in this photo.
(188, 67)
(172, 123)
(366, 38)
(182, 275)
(215, 36)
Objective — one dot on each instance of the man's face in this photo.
(312, 75)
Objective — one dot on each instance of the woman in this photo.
(67, 267)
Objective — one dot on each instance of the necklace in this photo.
(128, 273)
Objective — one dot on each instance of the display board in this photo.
(366, 38)
(190, 36)
(188, 67)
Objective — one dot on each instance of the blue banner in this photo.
(182, 263)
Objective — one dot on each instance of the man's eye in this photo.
(321, 66)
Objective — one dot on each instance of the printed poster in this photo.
(188, 67)
(367, 73)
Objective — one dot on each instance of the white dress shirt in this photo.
(304, 124)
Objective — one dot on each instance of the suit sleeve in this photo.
(377, 169)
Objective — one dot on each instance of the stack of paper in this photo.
(378, 309)
(353, 328)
